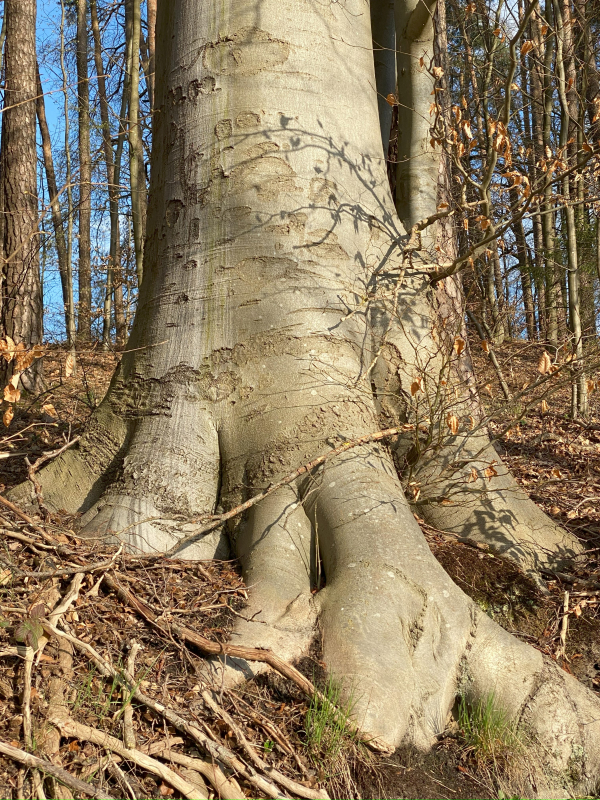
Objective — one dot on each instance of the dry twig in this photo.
(47, 767)
(215, 750)
(216, 521)
(68, 727)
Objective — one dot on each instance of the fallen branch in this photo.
(120, 777)
(226, 788)
(56, 573)
(85, 733)
(47, 456)
(211, 648)
(215, 750)
(128, 731)
(61, 775)
(217, 520)
(21, 514)
(297, 789)
(38, 784)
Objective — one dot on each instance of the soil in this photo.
(554, 459)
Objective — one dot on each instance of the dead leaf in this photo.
(14, 381)
(555, 510)
(8, 416)
(577, 610)
(49, 410)
(544, 363)
(544, 407)
(474, 475)
(70, 365)
(556, 472)
(526, 47)
(485, 346)
(11, 395)
(459, 345)
(166, 791)
(491, 471)
(7, 348)
(591, 386)
(452, 422)
(416, 386)
(471, 422)
(487, 389)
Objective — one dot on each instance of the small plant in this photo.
(326, 723)
(268, 746)
(488, 732)
(30, 629)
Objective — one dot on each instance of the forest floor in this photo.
(267, 736)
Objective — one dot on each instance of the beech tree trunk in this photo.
(21, 310)
(278, 317)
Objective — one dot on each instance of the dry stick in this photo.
(120, 777)
(226, 788)
(236, 651)
(33, 762)
(60, 609)
(68, 727)
(55, 573)
(26, 540)
(271, 729)
(38, 783)
(47, 456)
(128, 731)
(215, 750)
(217, 520)
(292, 786)
(11, 652)
(45, 536)
(563, 628)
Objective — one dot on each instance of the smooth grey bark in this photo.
(416, 196)
(276, 317)
(384, 54)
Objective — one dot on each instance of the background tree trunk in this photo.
(136, 153)
(64, 266)
(21, 296)
(84, 320)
